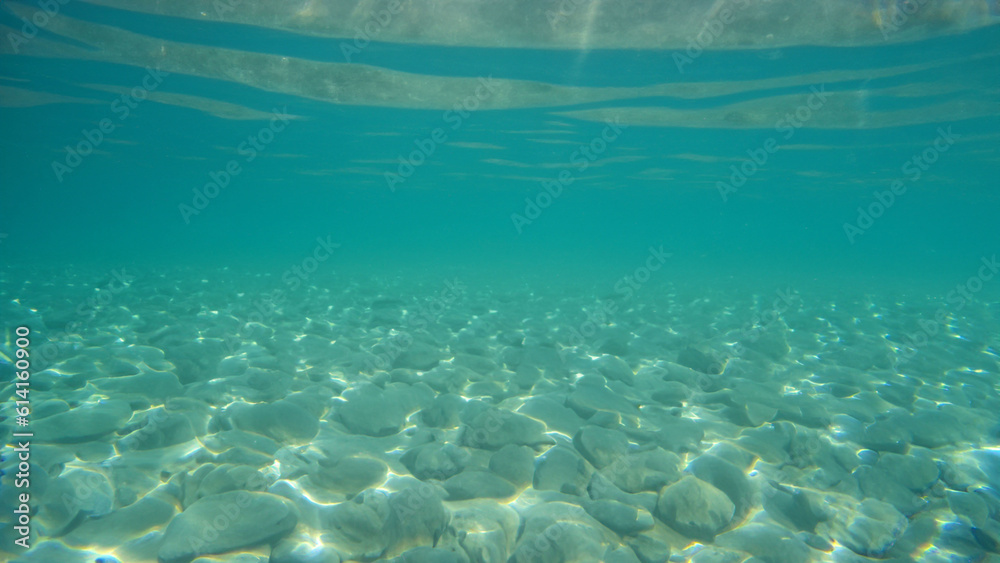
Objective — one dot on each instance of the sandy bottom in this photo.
(216, 416)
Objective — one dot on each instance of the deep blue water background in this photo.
(121, 206)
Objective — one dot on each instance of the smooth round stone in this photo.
(558, 542)
(514, 463)
(486, 529)
(525, 377)
(699, 361)
(649, 550)
(372, 411)
(418, 356)
(232, 366)
(555, 415)
(672, 393)
(613, 341)
(600, 446)
(586, 400)
(222, 441)
(622, 518)
(915, 472)
(619, 555)
(790, 507)
(260, 385)
(447, 378)
(561, 469)
(355, 529)
(868, 457)
(695, 508)
(227, 522)
(768, 543)
(494, 428)
(281, 420)
(490, 389)
(897, 394)
(742, 459)
(606, 419)
(961, 476)
(600, 488)
(771, 442)
(154, 385)
(49, 407)
(52, 551)
(756, 413)
(351, 475)
(969, 505)
(478, 364)
(869, 528)
(681, 435)
(935, 429)
(841, 391)
(986, 540)
(616, 369)
(152, 357)
(771, 342)
(82, 424)
(130, 483)
(315, 399)
(162, 429)
(478, 484)
(889, 435)
(245, 456)
(224, 478)
(75, 494)
(435, 461)
(882, 485)
(727, 478)
(816, 542)
(123, 524)
(989, 463)
(648, 470)
(443, 412)
(94, 452)
(416, 516)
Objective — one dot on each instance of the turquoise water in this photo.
(455, 281)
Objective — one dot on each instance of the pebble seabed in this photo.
(233, 418)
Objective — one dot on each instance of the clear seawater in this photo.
(675, 363)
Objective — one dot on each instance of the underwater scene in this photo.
(525, 281)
